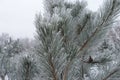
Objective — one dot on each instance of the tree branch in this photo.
(97, 29)
(112, 73)
(54, 74)
(66, 71)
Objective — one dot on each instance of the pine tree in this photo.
(27, 69)
(9, 48)
(67, 32)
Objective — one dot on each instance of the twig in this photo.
(112, 73)
(54, 74)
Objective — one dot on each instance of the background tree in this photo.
(10, 52)
(27, 69)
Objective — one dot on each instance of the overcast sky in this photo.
(17, 16)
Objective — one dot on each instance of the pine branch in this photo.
(27, 70)
(99, 28)
(81, 27)
(87, 31)
(54, 74)
(111, 73)
(88, 40)
(66, 71)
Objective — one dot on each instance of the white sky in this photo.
(17, 16)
